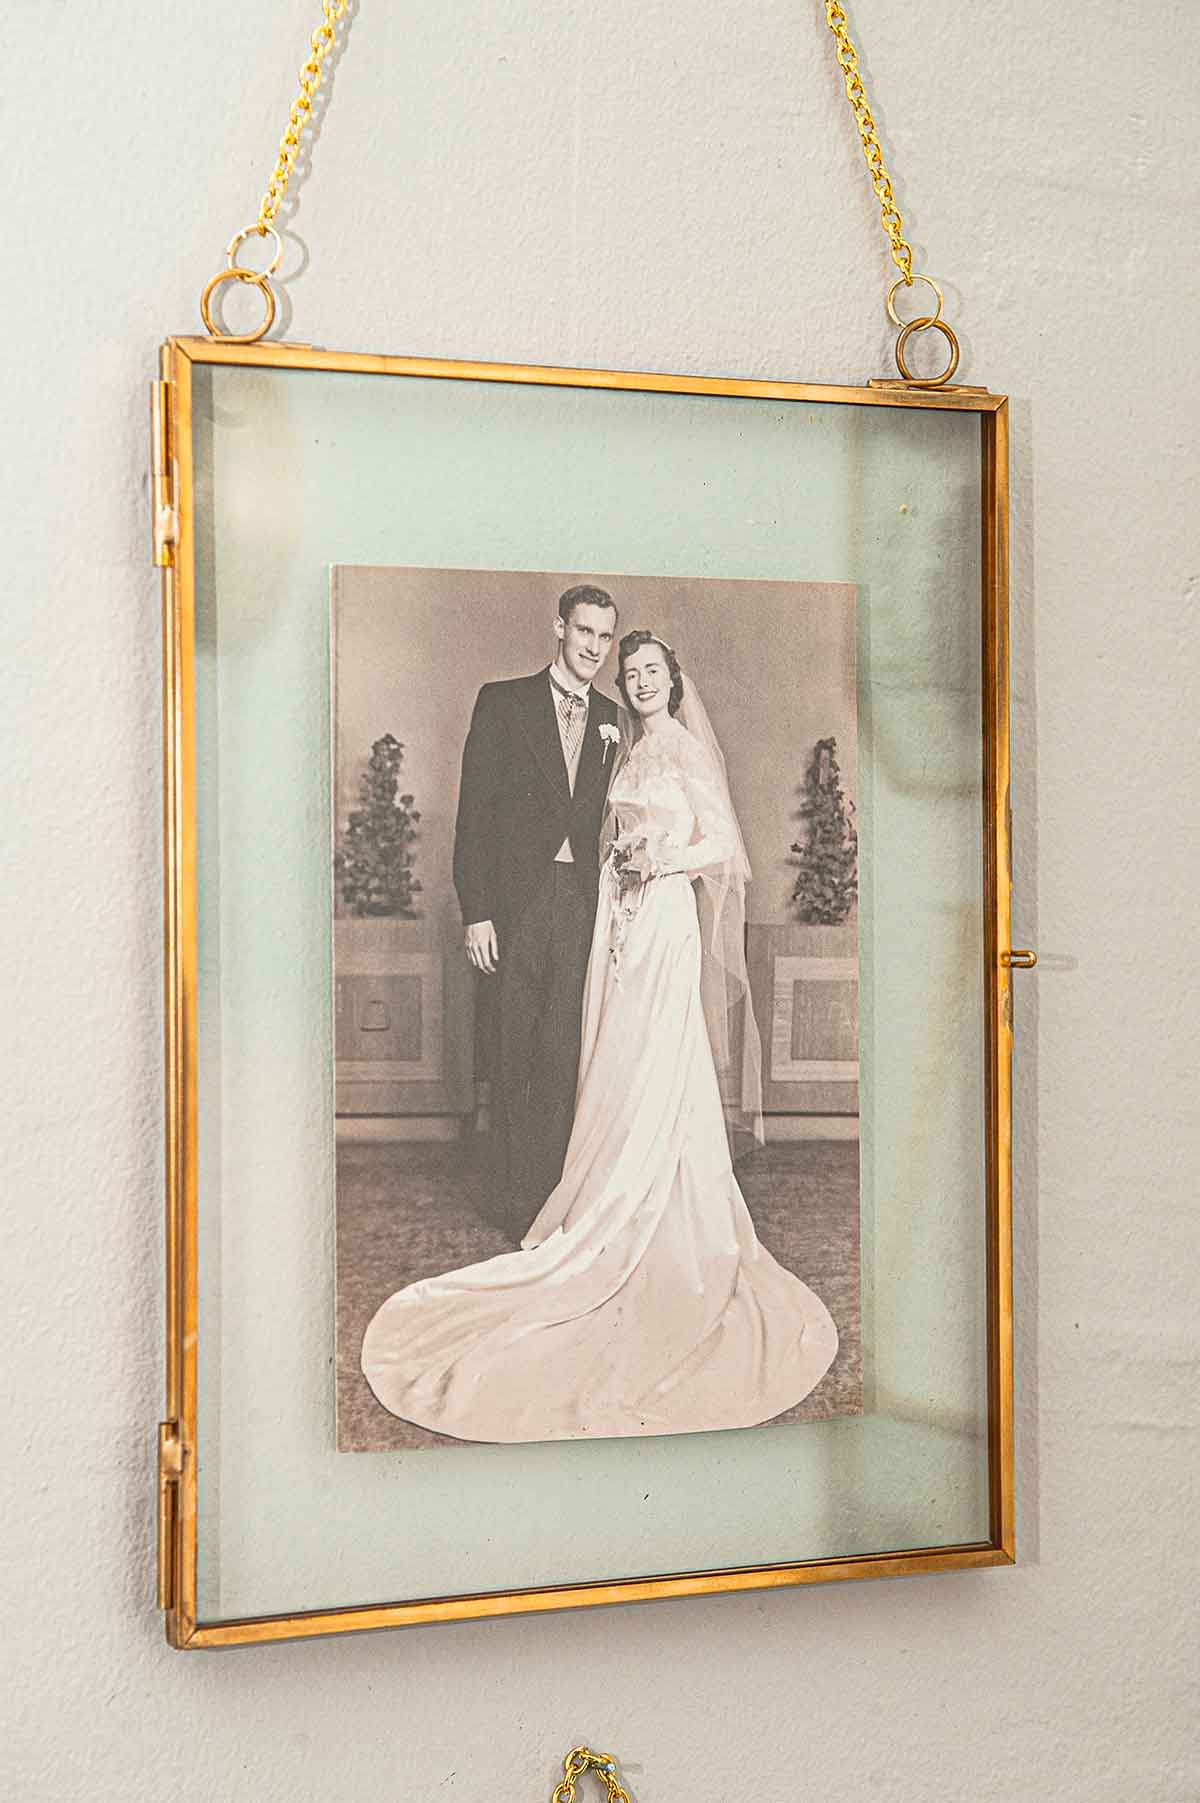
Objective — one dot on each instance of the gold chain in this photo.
(580, 1760)
(321, 44)
(889, 212)
(872, 149)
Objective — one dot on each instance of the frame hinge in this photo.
(895, 383)
(164, 520)
(170, 1470)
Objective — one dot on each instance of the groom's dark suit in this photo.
(515, 808)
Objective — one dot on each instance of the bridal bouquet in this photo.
(631, 862)
(632, 867)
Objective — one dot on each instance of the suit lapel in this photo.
(539, 723)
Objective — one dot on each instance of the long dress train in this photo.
(642, 1301)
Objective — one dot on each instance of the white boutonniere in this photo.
(611, 736)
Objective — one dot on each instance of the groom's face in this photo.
(585, 640)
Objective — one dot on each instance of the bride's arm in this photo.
(716, 838)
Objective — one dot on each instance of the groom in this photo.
(535, 774)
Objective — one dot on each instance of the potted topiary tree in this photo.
(826, 888)
(822, 945)
(374, 863)
(385, 1007)
(804, 968)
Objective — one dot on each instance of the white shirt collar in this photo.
(559, 676)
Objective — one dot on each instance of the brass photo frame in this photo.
(182, 505)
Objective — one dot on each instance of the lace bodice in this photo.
(669, 793)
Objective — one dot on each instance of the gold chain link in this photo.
(321, 43)
(881, 181)
(580, 1760)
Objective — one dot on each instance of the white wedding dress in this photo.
(642, 1301)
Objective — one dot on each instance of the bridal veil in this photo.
(720, 891)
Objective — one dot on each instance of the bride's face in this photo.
(647, 680)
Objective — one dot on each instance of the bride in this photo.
(641, 1301)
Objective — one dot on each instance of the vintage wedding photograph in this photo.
(595, 878)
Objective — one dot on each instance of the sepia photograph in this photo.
(595, 879)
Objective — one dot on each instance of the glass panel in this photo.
(300, 472)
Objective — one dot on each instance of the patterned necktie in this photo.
(572, 712)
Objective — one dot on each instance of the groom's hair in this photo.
(586, 594)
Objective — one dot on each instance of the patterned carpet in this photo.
(408, 1210)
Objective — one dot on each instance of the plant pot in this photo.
(403, 1021)
(804, 983)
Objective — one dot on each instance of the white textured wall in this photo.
(647, 185)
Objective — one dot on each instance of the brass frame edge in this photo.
(179, 1525)
(997, 914)
(178, 1557)
(499, 1605)
(275, 355)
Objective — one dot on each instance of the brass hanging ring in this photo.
(256, 280)
(900, 283)
(926, 324)
(259, 230)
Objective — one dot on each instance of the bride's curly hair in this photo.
(633, 641)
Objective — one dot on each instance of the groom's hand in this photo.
(482, 950)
